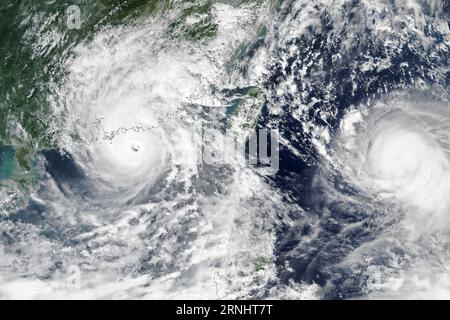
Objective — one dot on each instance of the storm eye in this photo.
(407, 160)
(135, 147)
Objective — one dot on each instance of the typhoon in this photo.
(224, 149)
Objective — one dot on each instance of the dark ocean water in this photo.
(315, 257)
(321, 220)
(7, 163)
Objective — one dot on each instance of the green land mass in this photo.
(27, 66)
(32, 58)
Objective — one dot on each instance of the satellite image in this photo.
(224, 149)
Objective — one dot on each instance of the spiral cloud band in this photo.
(399, 152)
